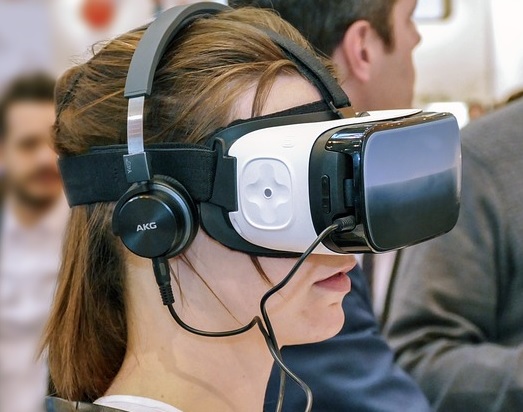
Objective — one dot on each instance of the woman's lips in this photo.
(338, 282)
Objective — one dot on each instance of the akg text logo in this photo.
(128, 166)
(146, 226)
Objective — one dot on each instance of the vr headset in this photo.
(268, 186)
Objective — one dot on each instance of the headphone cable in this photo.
(162, 272)
(342, 224)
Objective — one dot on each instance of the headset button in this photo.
(325, 194)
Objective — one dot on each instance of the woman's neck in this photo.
(193, 373)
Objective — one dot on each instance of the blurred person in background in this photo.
(33, 217)
(456, 318)
(371, 44)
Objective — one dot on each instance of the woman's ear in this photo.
(358, 49)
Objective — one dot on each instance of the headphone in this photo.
(157, 217)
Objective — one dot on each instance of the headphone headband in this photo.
(153, 45)
(155, 41)
(139, 82)
(159, 34)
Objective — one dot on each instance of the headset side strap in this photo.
(100, 176)
(312, 68)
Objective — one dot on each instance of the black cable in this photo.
(256, 320)
(276, 355)
(342, 224)
(281, 388)
(163, 278)
(162, 273)
(338, 225)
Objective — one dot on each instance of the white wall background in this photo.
(452, 61)
(507, 24)
(72, 36)
(474, 55)
(25, 38)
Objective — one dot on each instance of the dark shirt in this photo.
(354, 371)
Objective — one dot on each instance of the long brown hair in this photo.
(196, 87)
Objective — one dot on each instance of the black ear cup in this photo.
(156, 219)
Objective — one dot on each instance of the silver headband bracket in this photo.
(135, 125)
(137, 163)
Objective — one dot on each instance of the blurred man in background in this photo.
(33, 216)
(371, 44)
(456, 318)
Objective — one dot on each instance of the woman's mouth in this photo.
(338, 282)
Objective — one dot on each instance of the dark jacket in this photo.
(354, 371)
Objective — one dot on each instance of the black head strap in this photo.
(312, 69)
(99, 176)
(86, 176)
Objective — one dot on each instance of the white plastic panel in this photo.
(273, 182)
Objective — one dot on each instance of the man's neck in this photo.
(28, 214)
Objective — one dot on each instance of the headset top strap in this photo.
(155, 41)
(312, 69)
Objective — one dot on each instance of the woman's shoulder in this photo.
(135, 404)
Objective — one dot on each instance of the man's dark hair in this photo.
(36, 87)
(324, 23)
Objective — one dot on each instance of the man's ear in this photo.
(358, 48)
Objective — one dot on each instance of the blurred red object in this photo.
(98, 14)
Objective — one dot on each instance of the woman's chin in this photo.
(333, 324)
(322, 325)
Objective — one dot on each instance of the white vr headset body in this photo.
(398, 172)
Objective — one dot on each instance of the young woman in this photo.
(110, 340)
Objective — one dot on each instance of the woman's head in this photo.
(219, 69)
(196, 88)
